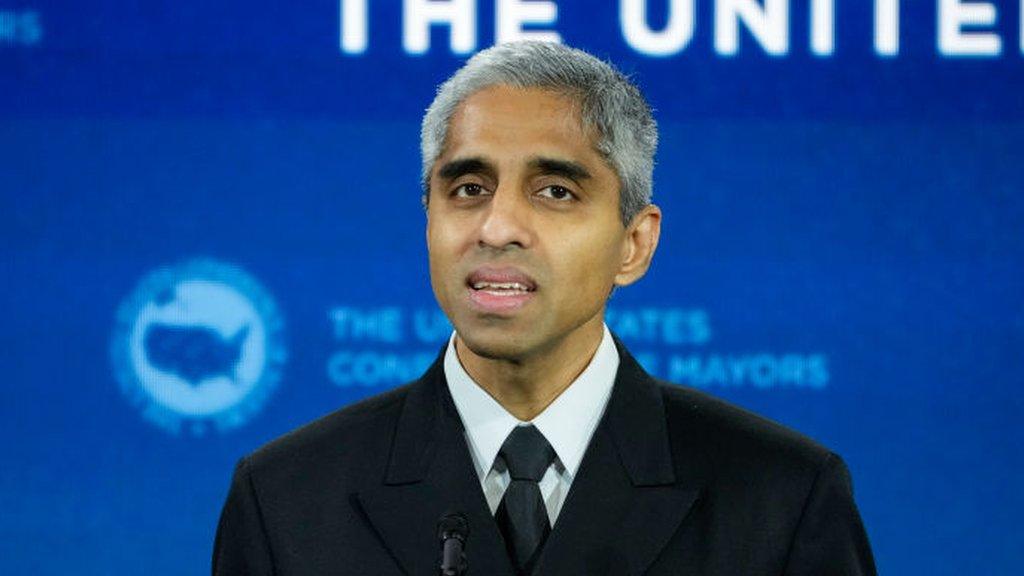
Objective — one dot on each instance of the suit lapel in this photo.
(627, 499)
(631, 492)
(430, 473)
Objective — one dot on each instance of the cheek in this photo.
(442, 281)
(435, 255)
(446, 232)
(444, 246)
(589, 264)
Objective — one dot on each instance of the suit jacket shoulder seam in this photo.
(249, 478)
(830, 457)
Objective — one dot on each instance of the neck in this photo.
(526, 386)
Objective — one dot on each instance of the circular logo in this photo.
(198, 345)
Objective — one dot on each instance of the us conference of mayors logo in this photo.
(198, 345)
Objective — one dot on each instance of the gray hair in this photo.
(608, 101)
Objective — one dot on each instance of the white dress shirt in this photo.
(568, 424)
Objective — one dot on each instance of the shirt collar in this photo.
(568, 422)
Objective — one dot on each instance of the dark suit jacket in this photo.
(673, 482)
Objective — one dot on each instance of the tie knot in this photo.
(527, 453)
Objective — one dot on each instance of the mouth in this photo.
(500, 289)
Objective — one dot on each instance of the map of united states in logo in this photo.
(198, 345)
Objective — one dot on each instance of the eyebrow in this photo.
(556, 167)
(477, 165)
(462, 166)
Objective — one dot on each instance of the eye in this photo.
(556, 192)
(469, 190)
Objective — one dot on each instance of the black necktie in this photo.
(522, 516)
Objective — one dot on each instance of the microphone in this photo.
(452, 531)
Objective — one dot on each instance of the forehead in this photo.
(505, 116)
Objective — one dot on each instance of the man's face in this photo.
(523, 226)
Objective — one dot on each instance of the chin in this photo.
(493, 344)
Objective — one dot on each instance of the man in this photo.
(535, 423)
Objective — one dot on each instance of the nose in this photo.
(506, 221)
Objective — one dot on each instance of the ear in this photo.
(425, 201)
(426, 228)
(638, 245)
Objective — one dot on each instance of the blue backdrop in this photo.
(210, 233)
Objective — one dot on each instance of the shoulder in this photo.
(351, 441)
(738, 444)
